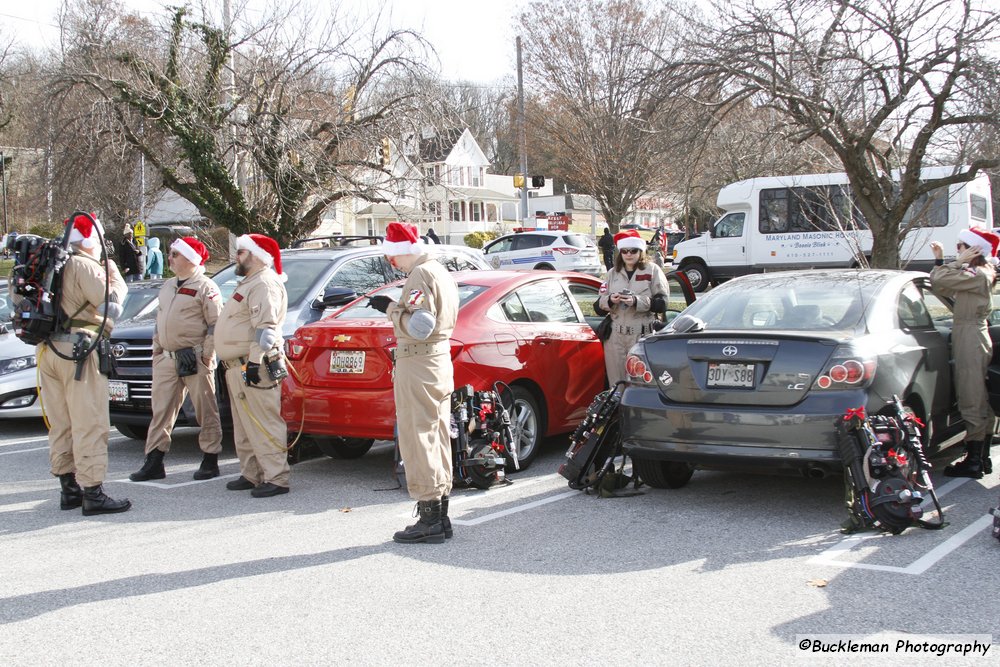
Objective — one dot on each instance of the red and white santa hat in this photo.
(191, 249)
(86, 230)
(984, 240)
(263, 248)
(402, 238)
(629, 239)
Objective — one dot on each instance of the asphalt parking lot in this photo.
(733, 566)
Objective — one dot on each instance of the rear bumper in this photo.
(354, 414)
(797, 437)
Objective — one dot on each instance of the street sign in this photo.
(139, 233)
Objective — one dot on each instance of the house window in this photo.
(431, 210)
(491, 212)
(430, 176)
(476, 210)
(455, 211)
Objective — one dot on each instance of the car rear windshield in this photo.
(302, 275)
(362, 311)
(786, 303)
(575, 240)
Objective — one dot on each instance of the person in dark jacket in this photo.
(128, 256)
(607, 245)
(432, 235)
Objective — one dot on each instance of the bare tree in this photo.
(890, 87)
(597, 113)
(261, 128)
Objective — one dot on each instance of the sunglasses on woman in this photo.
(629, 251)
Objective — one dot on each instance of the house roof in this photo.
(386, 210)
(438, 147)
(479, 193)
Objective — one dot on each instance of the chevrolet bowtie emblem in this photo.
(342, 338)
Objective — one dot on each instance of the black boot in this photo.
(427, 529)
(445, 521)
(71, 496)
(152, 468)
(209, 467)
(972, 465)
(95, 501)
(987, 461)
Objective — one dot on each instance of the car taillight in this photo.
(847, 368)
(294, 348)
(636, 369)
(566, 251)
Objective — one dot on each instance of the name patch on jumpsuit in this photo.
(416, 297)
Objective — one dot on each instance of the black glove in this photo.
(380, 302)
(251, 374)
(658, 304)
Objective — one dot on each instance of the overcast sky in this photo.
(473, 38)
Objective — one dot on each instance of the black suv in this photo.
(322, 274)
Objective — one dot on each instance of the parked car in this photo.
(559, 251)
(18, 373)
(758, 371)
(322, 274)
(534, 332)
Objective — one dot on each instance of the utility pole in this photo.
(522, 138)
(3, 181)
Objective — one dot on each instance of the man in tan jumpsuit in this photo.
(247, 333)
(634, 291)
(423, 381)
(969, 282)
(183, 341)
(77, 408)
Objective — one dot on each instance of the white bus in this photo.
(809, 221)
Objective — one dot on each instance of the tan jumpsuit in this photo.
(259, 432)
(971, 347)
(185, 317)
(629, 323)
(423, 380)
(77, 410)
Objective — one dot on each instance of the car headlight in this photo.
(17, 364)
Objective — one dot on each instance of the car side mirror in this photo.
(333, 297)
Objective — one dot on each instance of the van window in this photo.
(730, 226)
(820, 208)
(978, 207)
(928, 210)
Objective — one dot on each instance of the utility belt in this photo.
(419, 349)
(82, 342)
(631, 330)
(229, 364)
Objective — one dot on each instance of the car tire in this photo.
(133, 431)
(545, 267)
(528, 422)
(344, 448)
(663, 474)
(697, 274)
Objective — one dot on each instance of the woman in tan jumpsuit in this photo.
(969, 282)
(634, 291)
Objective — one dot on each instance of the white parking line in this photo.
(922, 564)
(45, 438)
(22, 451)
(513, 510)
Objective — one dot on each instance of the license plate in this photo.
(347, 362)
(118, 391)
(731, 375)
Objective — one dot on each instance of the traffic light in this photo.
(385, 152)
(538, 181)
(518, 180)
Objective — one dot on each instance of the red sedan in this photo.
(531, 330)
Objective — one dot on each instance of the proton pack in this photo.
(35, 282)
(482, 439)
(595, 445)
(886, 472)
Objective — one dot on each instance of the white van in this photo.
(807, 221)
